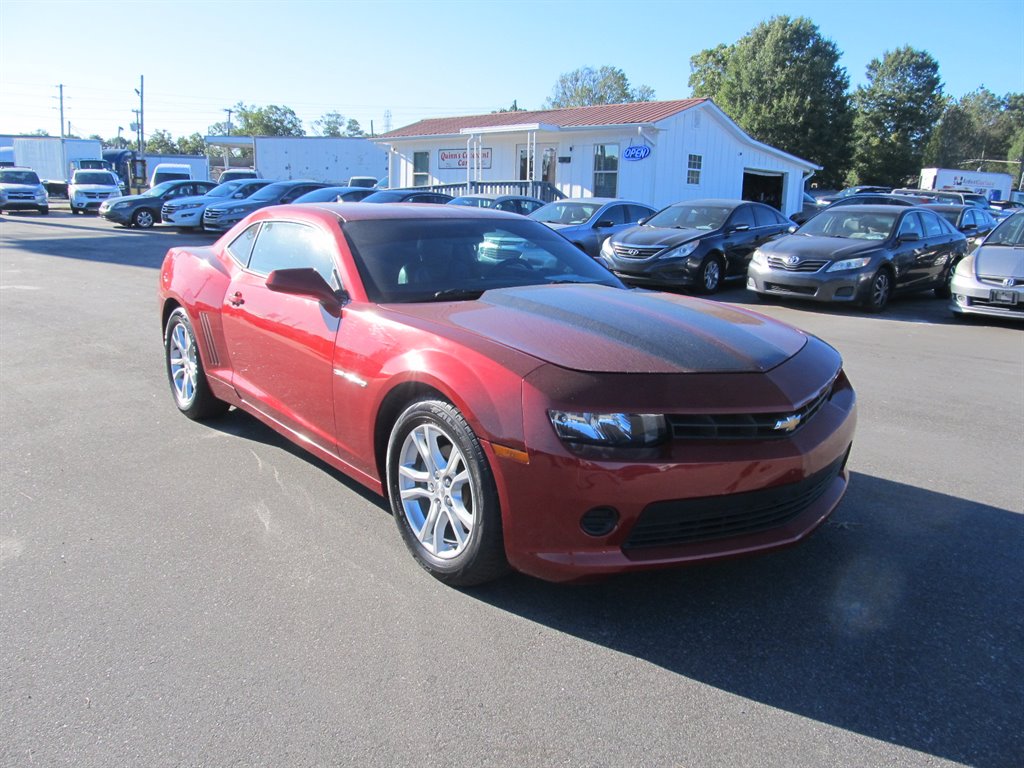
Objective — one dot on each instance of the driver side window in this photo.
(289, 245)
(911, 225)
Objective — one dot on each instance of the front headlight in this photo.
(606, 248)
(759, 258)
(682, 251)
(625, 430)
(187, 206)
(840, 266)
(41, 195)
(120, 205)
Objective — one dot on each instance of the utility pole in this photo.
(227, 151)
(60, 89)
(142, 131)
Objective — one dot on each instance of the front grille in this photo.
(21, 196)
(634, 252)
(168, 208)
(684, 521)
(743, 426)
(211, 214)
(810, 265)
(802, 290)
(997, 281)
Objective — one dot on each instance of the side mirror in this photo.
(968, 227)
(306, 281)
(643, 220)
(908, 237)
(792, 229)
(604, 223)
(238, 196)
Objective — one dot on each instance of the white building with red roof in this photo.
(658, 152)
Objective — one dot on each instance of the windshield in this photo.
(18, 177)
(1010, 232)
(479, 202)
(565, 213)
(225, 189)
(414, 260)
(271, 192)
(852, 225)
(93, 177)
(706, 217)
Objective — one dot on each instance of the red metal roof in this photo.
(573, 117)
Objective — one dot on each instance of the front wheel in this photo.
(944, 291)
(143, 218)
(185, 372)
(443, 496)
(709, 279)
(879, 291)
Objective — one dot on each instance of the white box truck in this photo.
(54, 159)
(994, 186)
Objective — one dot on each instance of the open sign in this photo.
(636, 152)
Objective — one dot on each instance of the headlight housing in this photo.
(120, 205)
(759, 258)
(606, 248)
(187, 206)
(621, 430)
(846, 264)
(682, 251)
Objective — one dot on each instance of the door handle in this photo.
(237, 300)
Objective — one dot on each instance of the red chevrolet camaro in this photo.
(514, 401)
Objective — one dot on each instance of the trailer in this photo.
(994, 186)
(54, 159)
(318, 158)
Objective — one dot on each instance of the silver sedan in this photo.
(991, 280)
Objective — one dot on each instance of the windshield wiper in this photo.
(459, 294)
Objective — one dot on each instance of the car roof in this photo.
(361, 212)
(720, 201)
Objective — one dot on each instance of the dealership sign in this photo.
(459, 158)
(636, 152)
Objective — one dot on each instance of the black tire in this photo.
(879, 291)
(185, 371)
(944, 290)
(709, 276)
(143, 218)
(466, 546)
(44, 211)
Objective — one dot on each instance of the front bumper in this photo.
(973, 297)
(699, 501)
(117, 215)
(847, 286)
(680, 272)
(24, 205)
(189, 217)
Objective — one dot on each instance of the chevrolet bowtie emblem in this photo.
(787, 424)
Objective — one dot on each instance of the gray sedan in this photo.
(587, 222)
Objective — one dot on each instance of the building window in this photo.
(420, 169)
(693, 168)
(606, 170)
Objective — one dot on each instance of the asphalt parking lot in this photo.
(175, 593)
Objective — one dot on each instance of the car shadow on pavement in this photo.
(901, 619)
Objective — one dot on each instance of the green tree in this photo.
(192, 145)
(952, 140)
(353, 129)
(272, 120)
(514, 108)
(40, 132)
(782, 84)
(587, 87)
(160, 142)
(329, 124)
(896, 113)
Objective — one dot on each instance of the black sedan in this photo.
(346, 194)
(697, 243)
(143, 211)
(864, 198)
(974, 222)
(860, 253)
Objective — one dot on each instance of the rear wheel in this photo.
(44, 211)
(185, 372)
(879, 291)
(944, 291)
(443, 496)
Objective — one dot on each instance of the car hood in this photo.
(561, 227)
(136, 199)
(834, 248)
(94, 188)
(663, 236)
(244, 204)
(999, 261)
(30, 188)
(601, 329)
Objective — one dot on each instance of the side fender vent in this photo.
(211, 348)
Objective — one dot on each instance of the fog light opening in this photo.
(599, 521)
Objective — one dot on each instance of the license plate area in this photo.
(1003, 297)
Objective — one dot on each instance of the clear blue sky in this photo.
(429, 59)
